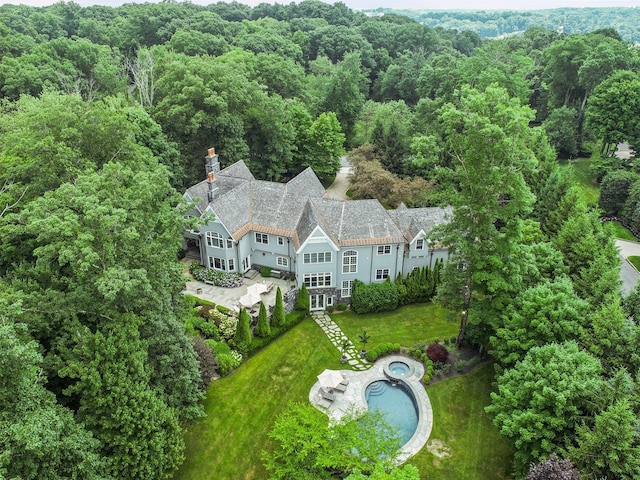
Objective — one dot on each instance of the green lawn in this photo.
(585, 179)
(242, 407)
(635, 261)
(407, 325)
(477, 451)
(620, 232)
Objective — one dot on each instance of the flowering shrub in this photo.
(228, 327)
(219, 279)
(237, 356)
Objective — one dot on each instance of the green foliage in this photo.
(342, 306)
(308, 447)
(375, 297)
(278, 317)
(265, 272)
(39, 439)
(242, 337)
(302, 300)
(381, 350)
(263, 329)
(526, 407)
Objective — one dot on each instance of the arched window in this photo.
(350, 261)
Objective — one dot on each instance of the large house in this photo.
(292, 228)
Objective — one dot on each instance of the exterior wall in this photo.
(427, 259)
(225, 254)
(277, 254)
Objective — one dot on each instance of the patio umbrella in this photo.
(257, 288)
(249, 299)
(330, 378)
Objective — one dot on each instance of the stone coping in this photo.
(353, 399)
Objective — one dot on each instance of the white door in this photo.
(246, 263)
(316, 302)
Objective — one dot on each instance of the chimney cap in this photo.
(211, 152)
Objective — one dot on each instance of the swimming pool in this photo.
(397, 404)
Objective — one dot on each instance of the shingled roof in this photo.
(244, 204)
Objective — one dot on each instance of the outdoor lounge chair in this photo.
(341, 387)
(327, 396)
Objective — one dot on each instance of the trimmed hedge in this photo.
(381, 350)
(375, 297)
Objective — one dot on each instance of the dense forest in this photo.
(106, 114)
(501, 23)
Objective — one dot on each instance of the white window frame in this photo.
(218, 263)
(232, 264)
(262, 238)
(316, 257)
(420, 244)
(384, 249)
(282, 262)
(382, 273)
(350, 266)
(280, 240)
(347, 286)
(214, 239)
(229, 242)
(317, 280)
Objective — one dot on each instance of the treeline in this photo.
(107, 111)
(501, 23)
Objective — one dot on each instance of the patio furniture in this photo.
(341, 387)
(326, 395)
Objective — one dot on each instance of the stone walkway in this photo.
(337, 337)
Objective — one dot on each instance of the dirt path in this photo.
(339, 187)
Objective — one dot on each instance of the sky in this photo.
(398, 4)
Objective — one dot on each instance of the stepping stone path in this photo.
(337, 337)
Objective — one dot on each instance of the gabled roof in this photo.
(411, 221)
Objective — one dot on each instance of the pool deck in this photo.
(353, 399)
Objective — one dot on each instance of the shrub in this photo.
(265, 272)
(219, 279)
(330, 308)
(278, 316)
(380, 350)
(437, 353)
(302, 300)
(206, 360)
(209, 330)
(228, 327)
(242, 338)
(342, 306)
(223, 309)
(263, 329)
(376, 297)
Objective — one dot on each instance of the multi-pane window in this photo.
(312, 280)
(347, 285)
(317, 257)
(214, 240)
(420, 244)
(280, 240)
(232, 265)
(382, 273)
(282, 261)
(262, 238)
(217, 263)
(384, 249)
(350, 261)
(229, 243)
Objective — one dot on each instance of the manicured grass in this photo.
(242, 407)
(635, 261)
(477, 451)
(620, 232)
(407, 325)
(585, 179)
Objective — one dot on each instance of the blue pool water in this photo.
(399, 369)
(396, 404)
